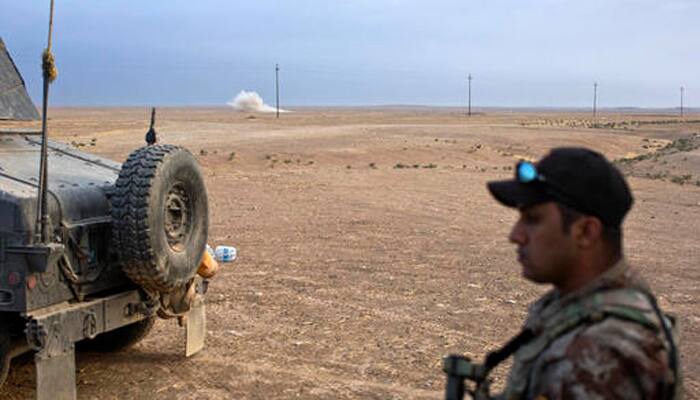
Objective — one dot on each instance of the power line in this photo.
(277, 88)
(595, 98)
(469, 107)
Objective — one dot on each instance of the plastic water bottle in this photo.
(225, 253)
(211, 251)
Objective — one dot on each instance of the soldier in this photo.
(598, 334)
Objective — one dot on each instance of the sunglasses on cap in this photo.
(526, 172)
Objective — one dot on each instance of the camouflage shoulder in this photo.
(614, 358)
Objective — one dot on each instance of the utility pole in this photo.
(682, 90)
(469, 102)
(595, 98)
(277, 88)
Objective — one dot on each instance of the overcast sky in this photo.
(362, 52)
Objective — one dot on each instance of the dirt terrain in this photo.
(369, 246)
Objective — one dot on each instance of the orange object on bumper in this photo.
(209, 267)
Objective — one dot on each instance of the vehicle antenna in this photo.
(50, 73)
(151, 134)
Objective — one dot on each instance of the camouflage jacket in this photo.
(619, 353)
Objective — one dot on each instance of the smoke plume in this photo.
(251, 102)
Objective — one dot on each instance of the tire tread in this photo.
(130, 212)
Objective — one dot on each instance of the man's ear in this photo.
(587, 231)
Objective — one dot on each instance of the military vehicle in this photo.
(91, 251)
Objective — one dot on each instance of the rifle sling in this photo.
(498, 356)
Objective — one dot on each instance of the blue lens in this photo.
(526, 172)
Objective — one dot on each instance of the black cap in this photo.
(576, 177)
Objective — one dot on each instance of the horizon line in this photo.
(675, 109)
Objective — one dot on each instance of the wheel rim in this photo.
(178, 211)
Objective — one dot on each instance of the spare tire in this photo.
(160, 217)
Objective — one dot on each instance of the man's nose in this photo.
(517, 234)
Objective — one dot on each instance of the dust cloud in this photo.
(251, 102)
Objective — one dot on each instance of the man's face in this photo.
(544, 250)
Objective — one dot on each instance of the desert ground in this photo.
(369, 246)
